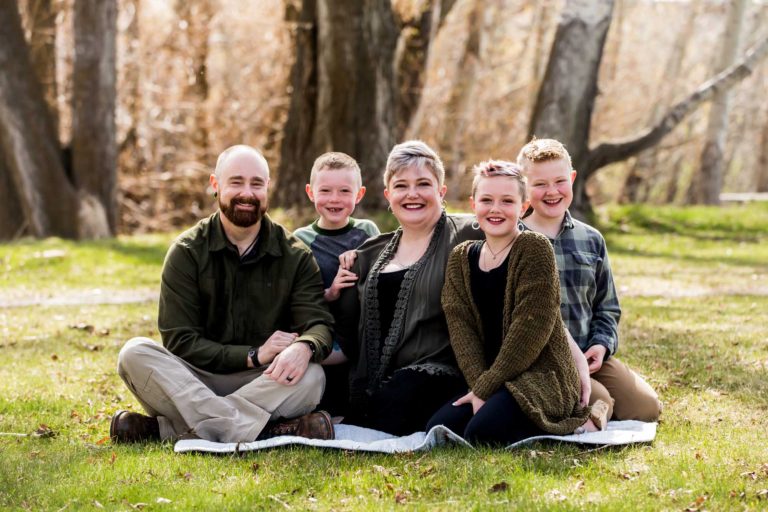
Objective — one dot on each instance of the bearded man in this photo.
(243, 323)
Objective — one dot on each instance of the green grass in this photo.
(695, 301)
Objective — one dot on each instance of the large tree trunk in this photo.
(355, 105)
(41, 28)
(460, 102)
(707, 183)
(297, 150)
(94, 144)
(12, 221)
(412, 57)
(28, 138)
(41, 22)
(566, 98)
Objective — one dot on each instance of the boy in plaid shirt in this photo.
(589, 306)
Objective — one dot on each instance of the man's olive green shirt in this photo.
(214, 306)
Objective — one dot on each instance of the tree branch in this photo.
(610, 152)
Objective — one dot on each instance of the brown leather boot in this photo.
(315, 425)
(132, 427)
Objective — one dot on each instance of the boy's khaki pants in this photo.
(627, 393)
(226, 408)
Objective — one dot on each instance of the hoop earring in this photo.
(215, 195)
(443, 203)
(389, 208)
(475, 225)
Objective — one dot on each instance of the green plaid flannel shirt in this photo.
(589, 305)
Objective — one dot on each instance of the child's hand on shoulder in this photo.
(347, 259)
(344, 279)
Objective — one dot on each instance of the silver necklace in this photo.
(495, 254)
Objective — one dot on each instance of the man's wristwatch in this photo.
(254, 355)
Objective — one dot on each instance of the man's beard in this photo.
(243, 218)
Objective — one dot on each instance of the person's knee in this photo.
(647, 407)
(481, 431)
(312, 383)
(135, 350)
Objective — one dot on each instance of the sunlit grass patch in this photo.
(694, 323)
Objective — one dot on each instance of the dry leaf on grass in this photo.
(82, 326)
(44, 431)
(499, 487)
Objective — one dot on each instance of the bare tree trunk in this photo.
(94, 145)
(41, 19)
(298, 150)
(356, 103)
(130, 152)
(706, 186)
(647, 160)
(761, 184)
(460, 98)
(542, 19)
(196, 17)
(566, 98)
(412, 57)
(28, 138)
(12, 221)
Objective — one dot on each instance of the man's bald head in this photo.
(242, 154)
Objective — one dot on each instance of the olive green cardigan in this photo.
(534, 361)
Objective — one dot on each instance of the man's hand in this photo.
(347, 259)
(289, 366)
(595, 356)
(344, 279)
(275, 344)
(582, 368)
(470, 398)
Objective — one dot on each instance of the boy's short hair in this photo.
(334, 160)
(543, 150)
(492, 168)
(414, 153)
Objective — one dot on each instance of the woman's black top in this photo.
(488, 293)
(389, 287)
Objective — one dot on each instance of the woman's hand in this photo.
(470, 398)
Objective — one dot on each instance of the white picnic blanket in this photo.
(351, 437)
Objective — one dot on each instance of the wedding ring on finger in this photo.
(289, 379)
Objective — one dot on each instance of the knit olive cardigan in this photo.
(534, 361)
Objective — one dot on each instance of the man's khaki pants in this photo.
(226, 408)
(627, 394)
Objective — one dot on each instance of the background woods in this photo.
(112, 112)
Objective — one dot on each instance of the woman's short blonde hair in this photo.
(414, 153)
(493, 168)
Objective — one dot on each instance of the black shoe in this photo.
(132, 427)
(315, 425)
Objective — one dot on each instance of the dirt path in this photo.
(633, 287)
(75, 297)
